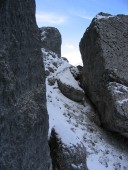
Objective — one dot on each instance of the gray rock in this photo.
(68, 89)
(80, 68)
(105, 57)
(51, 70)
(23, 115)
(65, 59)
(47, 73)
(70, 92)
(51, 39)
(65, 157)
(51, 81)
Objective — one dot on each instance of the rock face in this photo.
(65, 157)
(51, 39)
(105, 57)
(23, 115)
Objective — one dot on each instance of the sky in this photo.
(72, 17)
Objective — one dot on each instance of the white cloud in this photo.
(69, 46)
(81, 14)
(50, 18)
(85, 17)
(73, 56)
(71, 51)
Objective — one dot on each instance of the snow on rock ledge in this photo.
(119, 95)
(102, 15)
(69, 86)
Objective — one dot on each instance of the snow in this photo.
(103, 17)
(121, 91)
(76, 167)
(121, 102)
(43, 35)
(72, 122)
(119, 88)
(66, 77)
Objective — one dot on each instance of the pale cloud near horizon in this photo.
(85, 17)
(50, 18)
(69, 46)
(81, 14)
(72, 54)
(73, 57)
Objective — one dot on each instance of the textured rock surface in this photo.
(105, 57)
(23, 115)
(68, 89)
(51, 39)
(67, 158)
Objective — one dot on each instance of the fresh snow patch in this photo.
(67, 78)
(121, 87)
(121, 102)
(121, 91)
(98, 17)
(43, 35)
(118, 88)
(71, 121)
(76, 167)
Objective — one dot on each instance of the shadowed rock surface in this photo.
(104, 50)
(51, 39)
(23, 115)
(65, 157)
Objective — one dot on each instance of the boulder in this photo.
(104, 51)
(51, 81)
(66, 157)
(23, 114)
(69, 86)
(51, 39)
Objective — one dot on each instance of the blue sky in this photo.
(72, 17)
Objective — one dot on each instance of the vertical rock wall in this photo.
(104, 50)
(51, 39)
(23, 114)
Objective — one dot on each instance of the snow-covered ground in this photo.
(74, 122)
